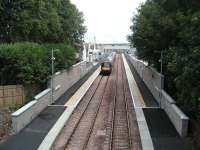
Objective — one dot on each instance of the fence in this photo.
(11, 96)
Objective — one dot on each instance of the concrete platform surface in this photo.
(163, 133)
(71, 105)
(145, 92)
(137, 101)
(32, 135)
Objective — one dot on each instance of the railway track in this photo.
(72, 123)
(120, 129)
(104, 118)
(108, 140)
(81, 132)
(80, 125)
(98, 135)
(134, 136)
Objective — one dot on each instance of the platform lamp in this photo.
(52, 73)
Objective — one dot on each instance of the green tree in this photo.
(72, 23)
(29, 63)
(52, 21)
(173, 27)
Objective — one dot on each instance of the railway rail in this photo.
(120, 126)
(82, 131)
(104, 119)
(74, 120)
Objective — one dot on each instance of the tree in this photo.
(49, 21)
(172, 26)
(29, 63)
(72, 23)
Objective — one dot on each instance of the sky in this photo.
(108, 21)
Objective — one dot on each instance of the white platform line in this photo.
(57, 105)
(149, 107)
(75, 99)
(48, 141)
(145, 136)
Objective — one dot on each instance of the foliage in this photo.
(172, 26)
(29, 63)
(65, 55)
(72, 23)
(52, 21)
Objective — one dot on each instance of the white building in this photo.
(94, 51)
(116, 47)
(91, 52)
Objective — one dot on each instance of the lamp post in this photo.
(52, 73)
(161, 72)
(161, 62)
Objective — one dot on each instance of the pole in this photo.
(52, 74)
(161, 72)
(161, 62)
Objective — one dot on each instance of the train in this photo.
(106, 65)
(106, 68)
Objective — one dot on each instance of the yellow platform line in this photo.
(138, 102)
(75, 99)
(134, 84)
(48, 141)
(139, 93)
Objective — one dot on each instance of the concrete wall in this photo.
(65, 79)
(27, 113)
(177, 117)
(154, 82)
(62, 82)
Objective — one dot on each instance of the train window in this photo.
(106, 65)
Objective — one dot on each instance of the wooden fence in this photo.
(11, 96)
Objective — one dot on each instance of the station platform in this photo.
(149, 100)
(34, 133)
(105, 104)
(105, 117)
(163, 133)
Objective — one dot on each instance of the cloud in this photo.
(107, 20)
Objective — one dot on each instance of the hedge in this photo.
(30, 63)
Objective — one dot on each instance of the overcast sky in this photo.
(107, 20)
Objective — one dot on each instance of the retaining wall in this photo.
(65, 79)
(154, 81)
(62, 82)
(177, 117)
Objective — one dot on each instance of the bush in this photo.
(29, 63)
(65, 56)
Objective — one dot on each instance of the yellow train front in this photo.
(106, 68)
